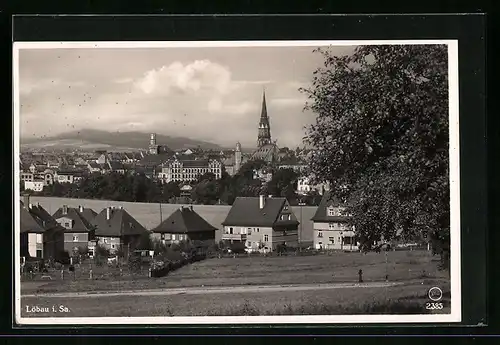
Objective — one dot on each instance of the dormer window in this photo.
(332, 211)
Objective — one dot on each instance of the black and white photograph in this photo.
(207, 182)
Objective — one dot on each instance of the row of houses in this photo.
(261, 223)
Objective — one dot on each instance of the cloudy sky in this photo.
(211, 94)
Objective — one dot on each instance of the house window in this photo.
(282, 217)
(112, 246)
(289, 217)
(75, 238)
(331, 239)
(285, 208)
(174, 237)
(331, 212)
(249, 231)
(258, 230)
(105, 240)
(320, 234)
(331, 226)
(266, 238)
(39, 238)
(38, 253)
(230, 231)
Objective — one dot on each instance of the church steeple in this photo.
(264, 136)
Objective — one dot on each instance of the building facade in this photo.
(185, 224)
(331, 230)
(189, 170)
(78, 229)
(36, 186)
(261, 223)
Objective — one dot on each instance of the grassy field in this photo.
(149, 214)
(337, 267)
(416, 269)
(406, 299)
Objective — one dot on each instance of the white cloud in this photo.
(200, 75)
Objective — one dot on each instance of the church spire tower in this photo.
(264, 136)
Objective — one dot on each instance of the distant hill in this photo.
(98, 139)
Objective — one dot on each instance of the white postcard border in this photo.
(455, 263)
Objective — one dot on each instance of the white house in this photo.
(330, 227)
(36, 186)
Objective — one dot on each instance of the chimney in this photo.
(270, 195)
(65, 209)
(261, 201)
(26, 200)
(108, 213)
(80, 208)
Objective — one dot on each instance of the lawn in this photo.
(406, 299)
(337, 267)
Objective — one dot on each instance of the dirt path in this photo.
(217, 289)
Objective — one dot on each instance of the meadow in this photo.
(402, 266)
(409, 298)
(149, 215)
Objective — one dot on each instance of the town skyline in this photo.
(209, 94)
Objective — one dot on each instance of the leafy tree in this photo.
(170, 190)
(284, 183)
(145, 242)
(381, 139)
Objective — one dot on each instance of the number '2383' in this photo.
(433, 306)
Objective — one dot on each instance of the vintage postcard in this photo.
(239, 182)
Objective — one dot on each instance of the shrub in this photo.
(63, 257)
(134, 263)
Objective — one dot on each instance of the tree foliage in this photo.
(284, 184)
(381, 139)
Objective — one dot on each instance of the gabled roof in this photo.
(184, 220)
(36, 219)
(80, 222)
(121, 223)
(246, 212)
(321, 214)
(154, 160)
(114, 165)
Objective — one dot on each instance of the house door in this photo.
(39, 253)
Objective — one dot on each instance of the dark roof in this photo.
(120, 223)
(81, 224)
(116, 165)
(36, 219)
(94, 165)
(246, 212)
(153, 160)
(194, 163)
(89, 214)
(321, 214)
(184, 220)
(70, 172)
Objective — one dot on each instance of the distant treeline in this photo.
(206, 190)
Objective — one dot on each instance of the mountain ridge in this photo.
(118, 139)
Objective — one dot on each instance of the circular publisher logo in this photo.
(435, 294)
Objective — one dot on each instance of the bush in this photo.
(134, 263)
(63, 257)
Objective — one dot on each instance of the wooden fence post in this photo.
(90, 274)
(62, 274)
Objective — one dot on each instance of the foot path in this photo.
(216, 289)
